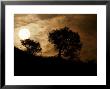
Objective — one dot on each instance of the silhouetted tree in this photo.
(66, 41)
(32, 47)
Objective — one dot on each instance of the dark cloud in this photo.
(83, 21)
(47, 16)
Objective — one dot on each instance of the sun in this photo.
(24, 34)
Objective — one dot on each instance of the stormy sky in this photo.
(40, 25)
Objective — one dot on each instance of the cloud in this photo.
(39, 30)
(40, 25)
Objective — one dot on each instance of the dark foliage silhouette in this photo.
(66, 41)
(32, 47)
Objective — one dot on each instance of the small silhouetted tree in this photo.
(66, 41)
(32, 47)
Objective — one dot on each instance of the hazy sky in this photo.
(40, 25)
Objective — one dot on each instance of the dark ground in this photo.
(29, 65)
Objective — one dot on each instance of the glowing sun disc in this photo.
(24, 33)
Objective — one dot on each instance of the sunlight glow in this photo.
(24, 34)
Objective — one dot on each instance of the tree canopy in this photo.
(65, 41)
(32, 47)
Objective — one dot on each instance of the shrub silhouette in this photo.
(66, 42)
(32, 47)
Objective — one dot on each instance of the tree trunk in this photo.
(59, 54)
